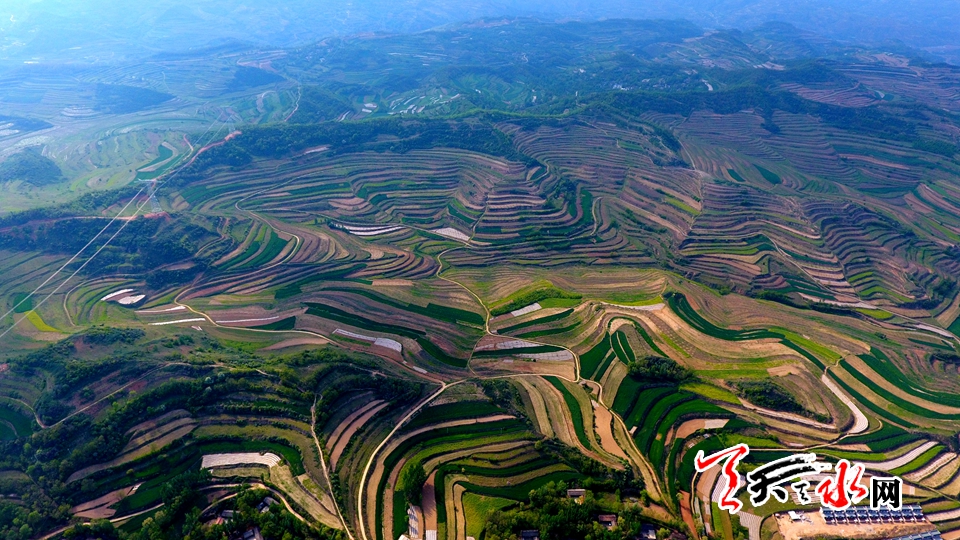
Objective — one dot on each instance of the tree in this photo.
(411, 482)
(100, 529)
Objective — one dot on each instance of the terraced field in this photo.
(431, 307)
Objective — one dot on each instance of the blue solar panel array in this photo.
(932, 535)
(864, 514)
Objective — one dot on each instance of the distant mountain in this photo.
(56, 30)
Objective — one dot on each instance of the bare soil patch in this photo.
(784, 370)
(99, 508)
(429, 504)
(604, 426)
(686, 511)
(565, 368)
(853, 447)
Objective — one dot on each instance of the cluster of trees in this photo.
(55, 453)
(504, 395)
(666, 137)
(78, 373)
(597, 476)
(395, 391)
(92, 203)
(770, 395)
(251, 77)
(31, 512)
(71, 374)
(24, 124)
(613, 53)
(180, 519)
(42, 504)
(50, 456)
(945, 288)
(796, 301)
(945, 357)
(143, 246)
(32, 167)
(180, 514)
(380, 135)
(321, 355)
(99, 441)
(953, 252)
(743, 89)
(50, 357)
(105, 335)
(936, 292)
(942, 148)
(121, 99)
(748, 92)
(558, 517)
(277, 523)
(318, 104)
(658, 369)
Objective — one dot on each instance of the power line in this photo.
(156, 184)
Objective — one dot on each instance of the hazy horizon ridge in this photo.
(101, 30)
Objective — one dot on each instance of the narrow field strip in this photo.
(930, 468)
(115, 294)
(902, 460)
(181, 321)
(523, 311)
(948, 515)
(157, 311)
(275, 317)
(211, 461)
(355, 423)
(860, 421)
